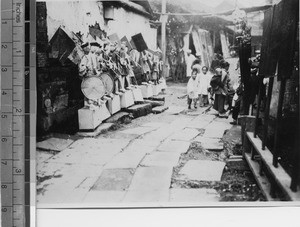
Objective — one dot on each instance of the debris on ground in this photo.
(237, 181)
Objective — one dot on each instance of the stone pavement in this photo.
(134, 168)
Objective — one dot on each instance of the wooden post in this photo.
(163, 35)
(258, 105)
(278, 123)
(267, 110)
(244, 55)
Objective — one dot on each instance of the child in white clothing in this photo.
(192, 89)
(204, 84)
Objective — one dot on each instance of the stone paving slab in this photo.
(114, 180)
(138, 130)
(174, 146)
(159, 109)
(151, 178)
(213, 144)
(54, 144)
(212, 111)
(92, 156)
(155, 124)
(193, 196)
(201, 121)
(53, 172)
(143, 149)
(202, 170)
(146, 197)
(103, 197)
(216, 129)
(42, 156)
(125, 160)
(76, 196)
(101, 144)
(141, 145)
(161, 159)
(175, 109)
(56, 182)
(179, 123)
(195, 112)
(158, 135)
(186, 134)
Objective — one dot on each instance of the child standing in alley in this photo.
(192, 89)
(204, 84)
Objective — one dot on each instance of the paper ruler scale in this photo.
(15, 154)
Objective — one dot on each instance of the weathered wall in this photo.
(74, 15)
(78, 15)
(129, 24)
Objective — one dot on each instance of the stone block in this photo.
(159, 109)
(114, 104)
(157, 98)
(154, 103)
(127, 99)
(155, 89)
(90, 119)
(146, 90)
(137, 95)
(139, 110)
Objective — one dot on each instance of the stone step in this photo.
(103, 127)
(139, 110)
(154, 103)
(156, 98)
(159, 109)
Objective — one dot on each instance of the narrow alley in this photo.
(166, 103)
(177, 157)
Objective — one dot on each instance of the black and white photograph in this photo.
(167, 103)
